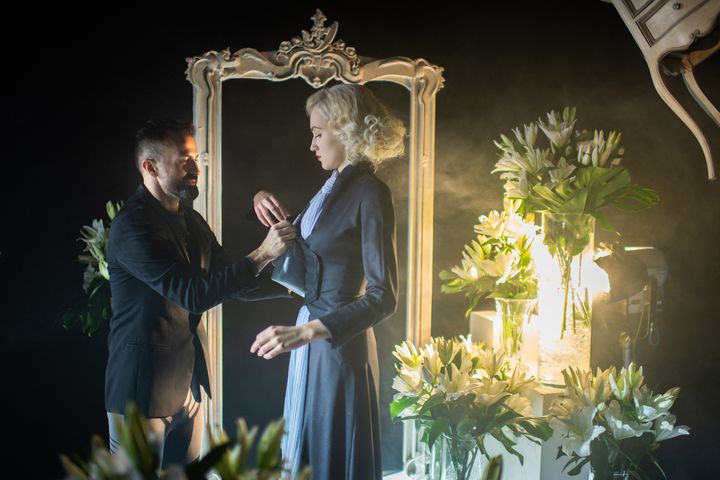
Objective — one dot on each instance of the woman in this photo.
(331, 402)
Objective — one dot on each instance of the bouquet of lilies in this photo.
(578, 171)
(497, 263)
(94, 308)
(612, 421)
(570, 176)
(465, 392)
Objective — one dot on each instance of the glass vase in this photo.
(452, 459)
(513, 318)
(564, 291)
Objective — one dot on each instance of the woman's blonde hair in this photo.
(361, 123)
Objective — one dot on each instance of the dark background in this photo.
(76, 91)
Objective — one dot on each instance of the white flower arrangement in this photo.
(466, 392)
(612, 421)
(94, 308)
(497, 263)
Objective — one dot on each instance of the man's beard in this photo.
(188, 193)
(184, 192)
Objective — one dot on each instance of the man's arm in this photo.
(150, 259)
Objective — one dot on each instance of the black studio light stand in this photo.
(631, 313)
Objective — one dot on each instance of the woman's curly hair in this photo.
(361, 123)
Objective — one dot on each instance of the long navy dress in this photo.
(352, 289)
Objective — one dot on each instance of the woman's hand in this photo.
(278, 339)
(268, 208)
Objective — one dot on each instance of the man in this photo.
(166, 269)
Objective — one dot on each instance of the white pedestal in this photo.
(539, 460)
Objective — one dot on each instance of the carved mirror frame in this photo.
(317, 58)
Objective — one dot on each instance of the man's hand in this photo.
(268, 208)
(277, 339)
(279, 238)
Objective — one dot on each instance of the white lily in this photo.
(584, 389)
(577, 429)
(431, 362)
(519, 404)
(491, 225)
(506, 144)
(408, 380)
(558, 132)
(455, 382)
(407, 353)
(630, 380)
(500, 267)
(649, 407)
(520, 383)
(491, 362)
(517, 229)
(665, 401)
(665, 428)
(490, 391)
(530, 135)
(472, 348)
(538, 159)
(622, 428)
(103, 269)
(446, 349)
(469, 268)
(510, 164)
(562, 171)
(584, 154)
(517, 188)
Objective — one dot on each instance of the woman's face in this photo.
(329, 151)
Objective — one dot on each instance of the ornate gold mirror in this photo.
(319, 58)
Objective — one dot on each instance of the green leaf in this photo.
(437, 428)
(494, 469)
(578, 468)
(508, 443)
(73, 469)
(431, 403)
(198, 470)
(137, 439)
(400, 405)
(536, 427)
(560, 452)
(268, 454)
(246, 439)
(480, 442)
(603, 221)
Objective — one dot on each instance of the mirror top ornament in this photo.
(317, 57)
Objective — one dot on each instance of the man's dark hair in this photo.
(156, 134)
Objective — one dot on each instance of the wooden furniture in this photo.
(675, 36)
